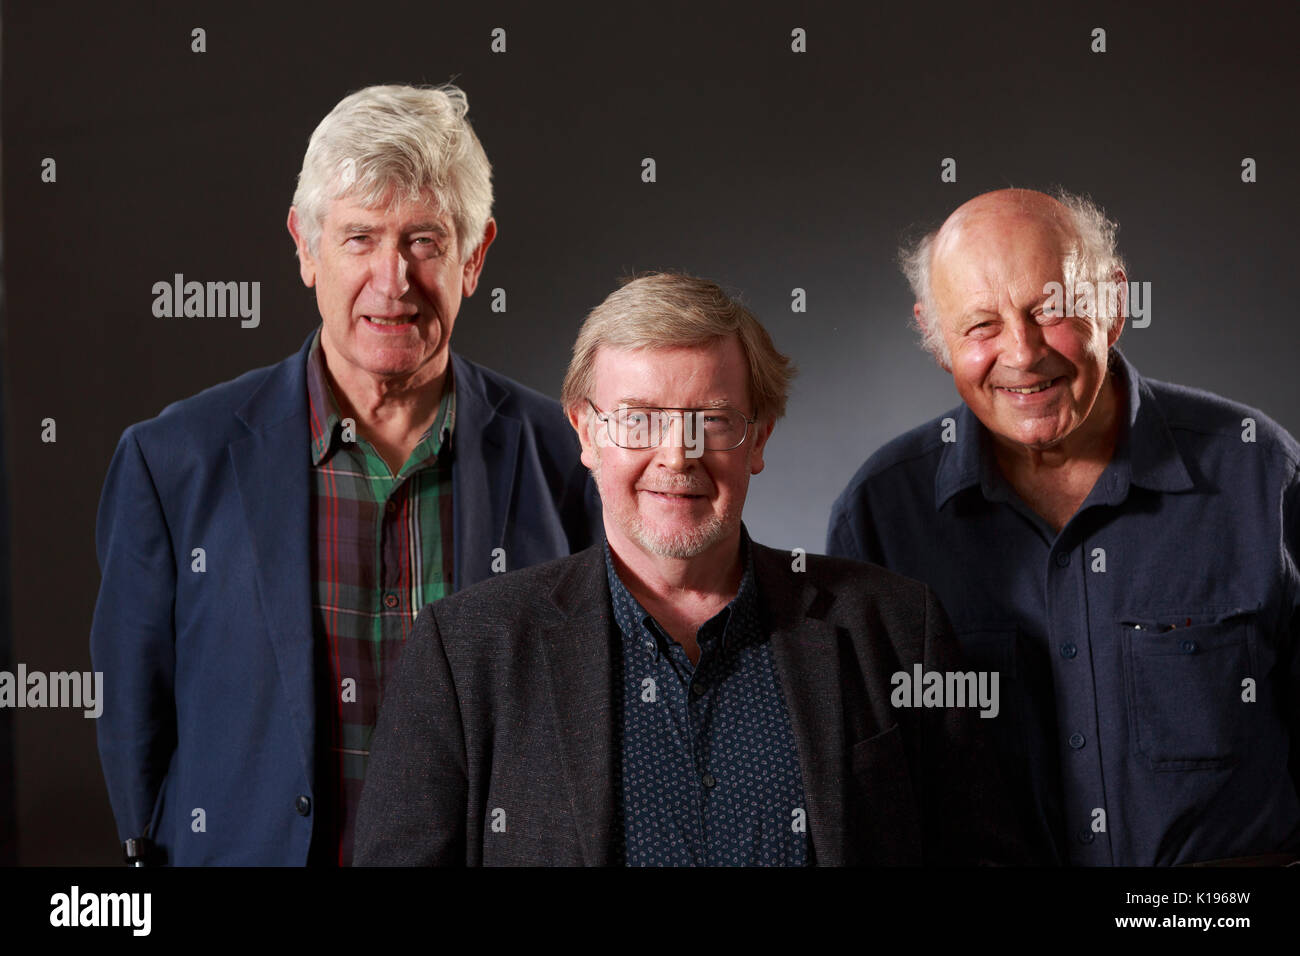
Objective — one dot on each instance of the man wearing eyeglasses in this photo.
(678, 695)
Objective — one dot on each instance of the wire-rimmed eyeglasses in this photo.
(636, 427)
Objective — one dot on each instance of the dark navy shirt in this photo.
(1149, 650)
(708, 773)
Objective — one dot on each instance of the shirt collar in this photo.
(960, 460)
(1146, 454)
(1147, 445)
(639, 628)
(327, 423)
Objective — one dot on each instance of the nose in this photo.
(671, 452)
(1027, 342)
(388, 273)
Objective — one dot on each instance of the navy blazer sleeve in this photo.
(132, 638)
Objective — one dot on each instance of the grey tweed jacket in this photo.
(496, 745)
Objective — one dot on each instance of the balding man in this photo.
(1123, 551)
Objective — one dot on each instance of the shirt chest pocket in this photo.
(1186, 677)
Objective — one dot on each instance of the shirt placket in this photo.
(699, 703)
(677, 676)
(394, 577)
(1075, 661)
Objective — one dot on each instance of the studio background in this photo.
(775, 170)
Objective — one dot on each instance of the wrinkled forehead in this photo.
(695, 376)
(390, 205)
(989, 251)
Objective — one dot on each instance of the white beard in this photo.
(681, 544)
(684, 544)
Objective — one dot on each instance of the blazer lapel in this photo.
(581, 682)
(272, 471)
(482, 475)
(806, 654)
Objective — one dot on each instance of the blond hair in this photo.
(667, 310)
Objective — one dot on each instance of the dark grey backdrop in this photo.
(776, 170)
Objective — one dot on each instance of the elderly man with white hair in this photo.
(267, 544)
(1123, 551)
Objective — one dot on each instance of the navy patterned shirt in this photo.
(708, 773)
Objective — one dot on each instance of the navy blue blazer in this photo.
(208, 735)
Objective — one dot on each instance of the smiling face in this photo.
(389, 283)
(660, 500)
(1031, 376)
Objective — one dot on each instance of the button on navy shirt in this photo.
(1149, 651)
(708, 773)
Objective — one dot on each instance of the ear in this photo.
(918, 314)
(579, 416)
(306, 264)
(474, 264)
(762, 432)
(1121, 301)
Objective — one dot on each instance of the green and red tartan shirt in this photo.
(383, 550)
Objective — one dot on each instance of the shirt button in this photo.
(390, 599)
(1062, 560)
(302, 805)
(1076, 741)
(708, 780)
(697, 689)
(390, 507)
(1086, 835)
(1068, 651)
(1188, 647)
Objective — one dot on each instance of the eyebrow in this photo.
(637, 402)
(352, 228)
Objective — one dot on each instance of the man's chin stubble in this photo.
(688, 544)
